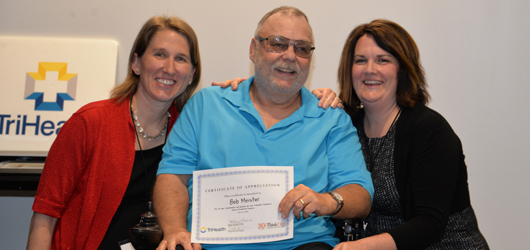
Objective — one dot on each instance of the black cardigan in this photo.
(431, 175)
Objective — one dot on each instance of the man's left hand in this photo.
(304, 199)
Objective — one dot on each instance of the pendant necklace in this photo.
(371, 156)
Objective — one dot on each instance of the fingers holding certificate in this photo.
(303, 201)
(181, 238)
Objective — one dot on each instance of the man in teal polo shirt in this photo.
(271, 120)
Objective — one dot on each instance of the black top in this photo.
(134, 202)
(386, 213)
(430, 173)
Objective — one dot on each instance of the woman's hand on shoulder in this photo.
(233, 82)
(327, 98)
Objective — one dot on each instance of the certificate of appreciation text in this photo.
(240, 205)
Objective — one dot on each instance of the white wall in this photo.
(475, 54)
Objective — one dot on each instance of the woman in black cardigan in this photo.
(421, 196)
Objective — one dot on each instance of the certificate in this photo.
(240, 205)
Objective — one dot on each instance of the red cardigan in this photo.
(87, 172)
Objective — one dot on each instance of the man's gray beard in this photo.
(260, 66)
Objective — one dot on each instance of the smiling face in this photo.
(165, 68)
(281, 72)
(374, 73)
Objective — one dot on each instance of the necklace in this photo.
(371, 156)
(141, 130)
(135, 120)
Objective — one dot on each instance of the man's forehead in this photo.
(287, 25)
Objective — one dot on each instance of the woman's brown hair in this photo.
(389, 36)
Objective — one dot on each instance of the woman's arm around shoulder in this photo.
(327, 97)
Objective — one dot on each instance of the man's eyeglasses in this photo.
(279, 44)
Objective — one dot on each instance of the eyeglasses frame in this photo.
(293, 42)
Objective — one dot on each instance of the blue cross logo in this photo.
(33, 77)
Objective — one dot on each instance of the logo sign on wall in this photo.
(44, 81)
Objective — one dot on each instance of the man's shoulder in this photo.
(311, 108)
(216, 95)
(330, 119)
(339, 115)
(212, 91)
(205, 95)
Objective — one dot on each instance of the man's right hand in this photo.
(170, 202)
(182, 238)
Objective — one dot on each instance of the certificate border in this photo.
(245, 238)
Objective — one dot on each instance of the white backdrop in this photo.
(475, 54)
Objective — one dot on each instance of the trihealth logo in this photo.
(212, 229)
(51, 78)
(32, 77)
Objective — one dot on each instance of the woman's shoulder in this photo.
(102, 109)
(423, 115)
(420, 122)
(102, 105)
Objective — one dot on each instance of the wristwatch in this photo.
(338, 199)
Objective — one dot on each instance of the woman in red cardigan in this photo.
(99, 172)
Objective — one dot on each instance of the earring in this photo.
(190, 82)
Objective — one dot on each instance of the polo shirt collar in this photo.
(241, 98)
